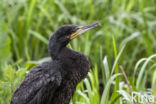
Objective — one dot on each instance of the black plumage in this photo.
(54, 81)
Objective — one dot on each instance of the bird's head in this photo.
(65, 34)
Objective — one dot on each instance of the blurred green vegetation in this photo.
(127, 37)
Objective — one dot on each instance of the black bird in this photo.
(54, 81)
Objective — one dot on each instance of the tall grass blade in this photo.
(141, 73)
(116, 60)
(39, 36)
(105, 94)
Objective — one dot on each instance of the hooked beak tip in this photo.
(90, 26)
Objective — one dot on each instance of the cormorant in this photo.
(54, 81)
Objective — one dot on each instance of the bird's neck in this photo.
(54, 49)
(66, 53)
(58, 52)
(67, 57)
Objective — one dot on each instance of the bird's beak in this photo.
(82, 29)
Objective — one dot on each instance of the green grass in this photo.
(127, 37)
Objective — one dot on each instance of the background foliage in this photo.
(127, 37)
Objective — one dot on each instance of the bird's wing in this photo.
(40, 84)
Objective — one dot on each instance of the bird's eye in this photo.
(67, 37)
